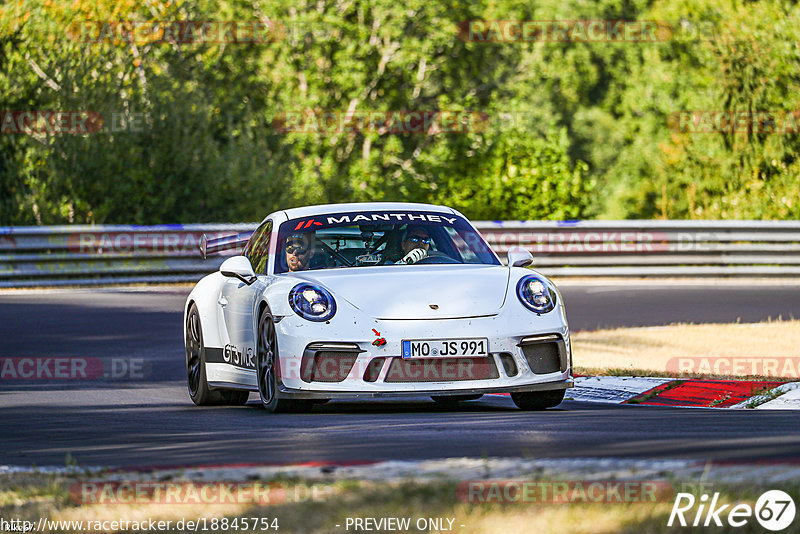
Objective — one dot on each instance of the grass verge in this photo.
(30, 496)
(768, 350)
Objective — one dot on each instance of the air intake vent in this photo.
(441, 369)
(328, 362)
(509, 365)
(545, 354)
(373, 370)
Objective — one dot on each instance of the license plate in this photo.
(435, 348)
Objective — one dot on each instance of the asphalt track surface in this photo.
(148, 419)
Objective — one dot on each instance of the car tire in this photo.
(267, 367)
(196, 381)
(538, 400)
(453, 400)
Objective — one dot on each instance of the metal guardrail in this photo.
(654, 247)
(119, 254)
(86, 255)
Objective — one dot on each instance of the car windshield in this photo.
(362, 239)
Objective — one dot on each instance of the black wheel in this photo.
(196, 381)
(453, 400)
(538, 400)
(269, 372)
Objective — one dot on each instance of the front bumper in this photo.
(507, 333)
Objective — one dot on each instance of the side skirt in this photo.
(224, 375)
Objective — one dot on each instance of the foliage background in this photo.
(594, 143)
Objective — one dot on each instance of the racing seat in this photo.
(393, 251)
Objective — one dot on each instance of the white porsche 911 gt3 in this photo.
(373, 300)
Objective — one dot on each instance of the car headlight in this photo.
(535, 294)
(312, 302)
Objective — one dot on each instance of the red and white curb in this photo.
(698, 393)
(785, 397)
(612, 389)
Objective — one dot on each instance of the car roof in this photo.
(307, 211)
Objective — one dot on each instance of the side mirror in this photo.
(238, 267)
(519, 257)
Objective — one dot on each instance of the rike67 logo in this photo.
(774, 510)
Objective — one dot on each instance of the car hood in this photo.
(409, 292)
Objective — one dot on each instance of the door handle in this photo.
(222, 301)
